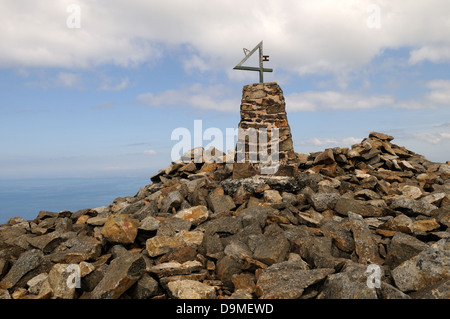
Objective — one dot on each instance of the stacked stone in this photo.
(263, 110)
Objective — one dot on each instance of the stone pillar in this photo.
(264, 129)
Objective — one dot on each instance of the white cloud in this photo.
(438, 95)
(67, 79)
(334, 100)
(107, 86)
(330, 142)
(432, 137)
(302, 37)
(214, 97)
(435, 54)
(62, 79)
(150, 152)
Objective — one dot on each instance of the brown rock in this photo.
(191, 289)
(175, 268)
(244, 281)
(381, 136)
(196, 215)
(122, 273)
(326, 157)
(120, 229)
(401, 223)
(57, 281)
(272, 196)
(425, 225)
(160, 245)
(343, 206)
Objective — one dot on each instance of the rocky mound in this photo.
(367, 222)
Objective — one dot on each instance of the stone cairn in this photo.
(260, 147)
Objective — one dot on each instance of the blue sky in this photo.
(97, 92)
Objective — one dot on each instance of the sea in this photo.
(27, 197)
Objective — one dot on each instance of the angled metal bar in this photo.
(249, 54)
(251, 68)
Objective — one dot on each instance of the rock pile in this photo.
(371, 221)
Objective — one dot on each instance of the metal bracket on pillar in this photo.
(262, 59)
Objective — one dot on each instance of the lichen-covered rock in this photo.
(427, 268)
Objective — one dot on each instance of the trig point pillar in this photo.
(264, 145)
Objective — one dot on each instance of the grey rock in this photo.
(387, 291)
(256, 215)
(220, 203)
(287, 280)
(428, 267)
(403, 247)
(344, 205)
(149, 223)
(342, 238)
(238, 250)
(35, 283)
(145, 288)
(324, 201)
(173, 225)
(412, 206)
(226, 267)
(172, 200)
(132, 208)
(366, 246)
(80, 249)
(27, 261)
(224, 225)
(312, 248)
(212, 246)
(439, 290)
(350, 283)
(48, 242)
(273, 249)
